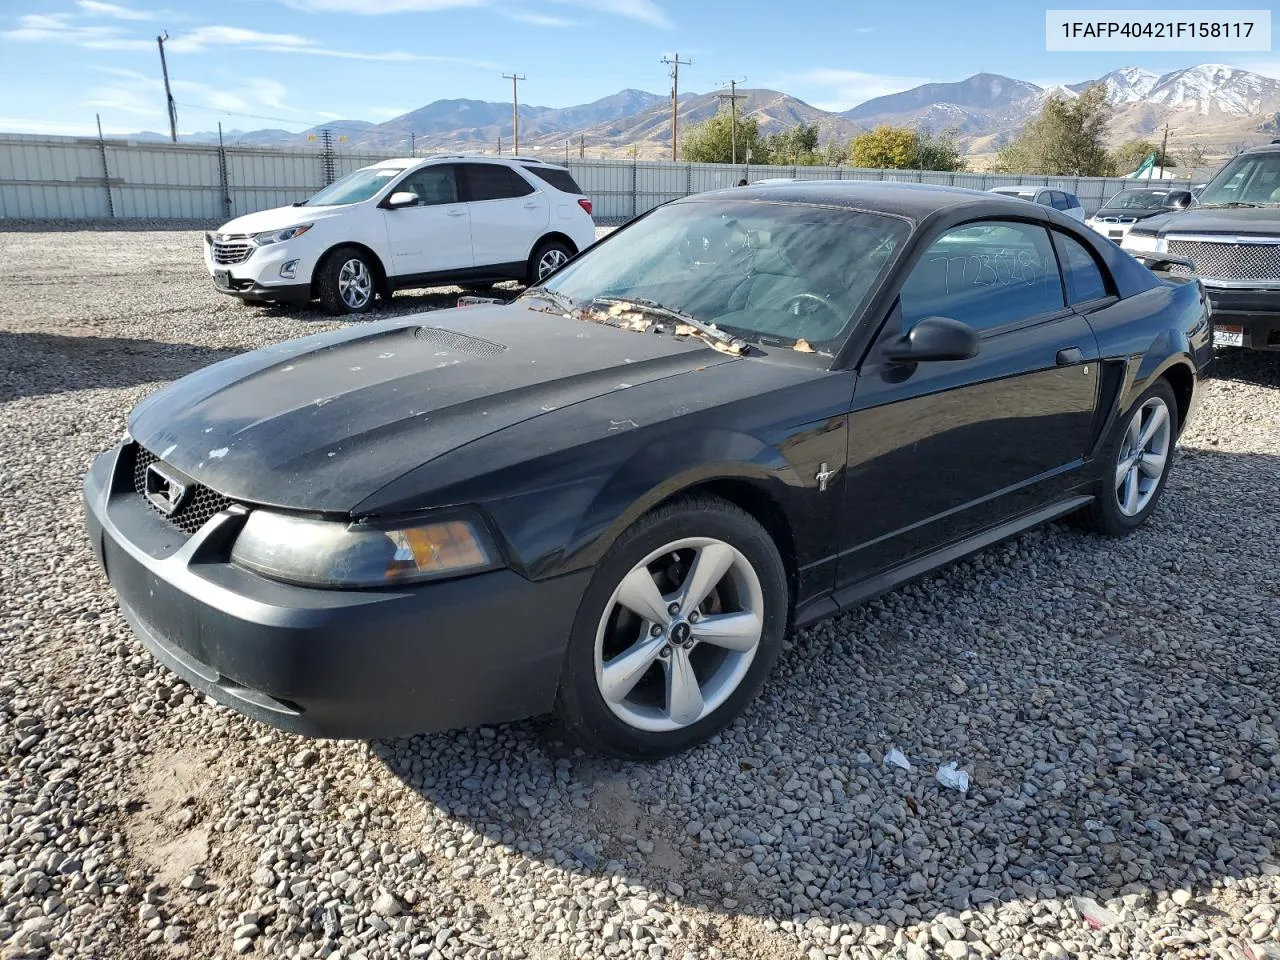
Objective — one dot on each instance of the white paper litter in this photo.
(896, 758)
(952, 778)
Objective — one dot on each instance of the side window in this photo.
(492, 181)
(1080, 271)
(1072, 201)
(984, 274)
(433, 185)
(1060, 200)
(562, 180)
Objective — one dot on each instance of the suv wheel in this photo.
(547, 259)
(348, 283)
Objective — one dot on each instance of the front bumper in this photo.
(258, 277)
(1257, 310)
(328, 663)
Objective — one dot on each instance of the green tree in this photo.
(1129, 156)
(885, 147)
(798, 145)
(938, 151)
(835, 153)
(1067, 138)
(712, 140)
(900, 148)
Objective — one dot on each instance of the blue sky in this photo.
(293, 63)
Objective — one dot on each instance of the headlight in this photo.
(280, 236)
(327, 553)
(1141, 242)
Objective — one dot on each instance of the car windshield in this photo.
(1252, 179)
(1136, 200)
(766, 272)
(354, 187)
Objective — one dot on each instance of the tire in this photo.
(1113, 512)
(345, 287)
(548, 256)
(650, 713)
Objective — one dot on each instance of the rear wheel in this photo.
(348, 283)
(1134, 463)
(549, 257)
(676, 633)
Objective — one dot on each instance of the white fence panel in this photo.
(63, 178)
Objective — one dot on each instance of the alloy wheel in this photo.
(355, 283)
(551, 260)
(678, 635)
(1144, 450)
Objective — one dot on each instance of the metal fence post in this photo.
(635, 200)
(222, 175)
(688, 179)
(106, 174)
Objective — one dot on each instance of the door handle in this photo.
(457, 213)
(531, 206)
(1069, 356)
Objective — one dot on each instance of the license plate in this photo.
(1115, 234)
(1228, 336)
(222, 279)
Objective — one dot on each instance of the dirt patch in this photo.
(165, 824)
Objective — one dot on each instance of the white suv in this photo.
(472, 221)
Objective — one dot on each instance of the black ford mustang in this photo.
(743, 412)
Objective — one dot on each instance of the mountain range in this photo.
(1219, 108)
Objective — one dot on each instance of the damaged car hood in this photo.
(323, 422)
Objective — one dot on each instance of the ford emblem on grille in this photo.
(166, 493)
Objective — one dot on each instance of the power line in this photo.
(252, 116)
(675, 64)
(515, 107)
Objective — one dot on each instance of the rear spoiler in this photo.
(1167, 267)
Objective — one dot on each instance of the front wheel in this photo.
(348, 283)
(676, 633)
(547, 259)
(1134, 463)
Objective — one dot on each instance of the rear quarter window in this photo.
(562, 180)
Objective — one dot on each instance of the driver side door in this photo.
(940, 451)
(434, 234)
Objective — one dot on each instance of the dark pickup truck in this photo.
(1231, 233)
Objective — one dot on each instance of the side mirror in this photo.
(1178, 199)
(402, 198)
(934, 338)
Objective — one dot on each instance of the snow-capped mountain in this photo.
(1126, 85)
(1212, 86)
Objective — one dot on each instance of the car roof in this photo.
(914, 201)
(1272, 147)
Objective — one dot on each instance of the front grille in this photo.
(231, 249)
(1230, 261)
(192, 515)
(1117, 219)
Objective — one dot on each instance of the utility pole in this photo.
(168, 94)
(675, 65)
(1160, 159)
(733, 111)
(515, 107)
(582, 146)
(413, 144)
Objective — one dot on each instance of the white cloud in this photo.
(99, 9)
(58, 28)
(642, 11)
(830, 88)
(538, 19)
(61, 128)
(374, 8)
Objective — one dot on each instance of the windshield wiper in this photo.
(721, 340)
(1229, 203)
(557, 299)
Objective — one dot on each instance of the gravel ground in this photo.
(1113, 703)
